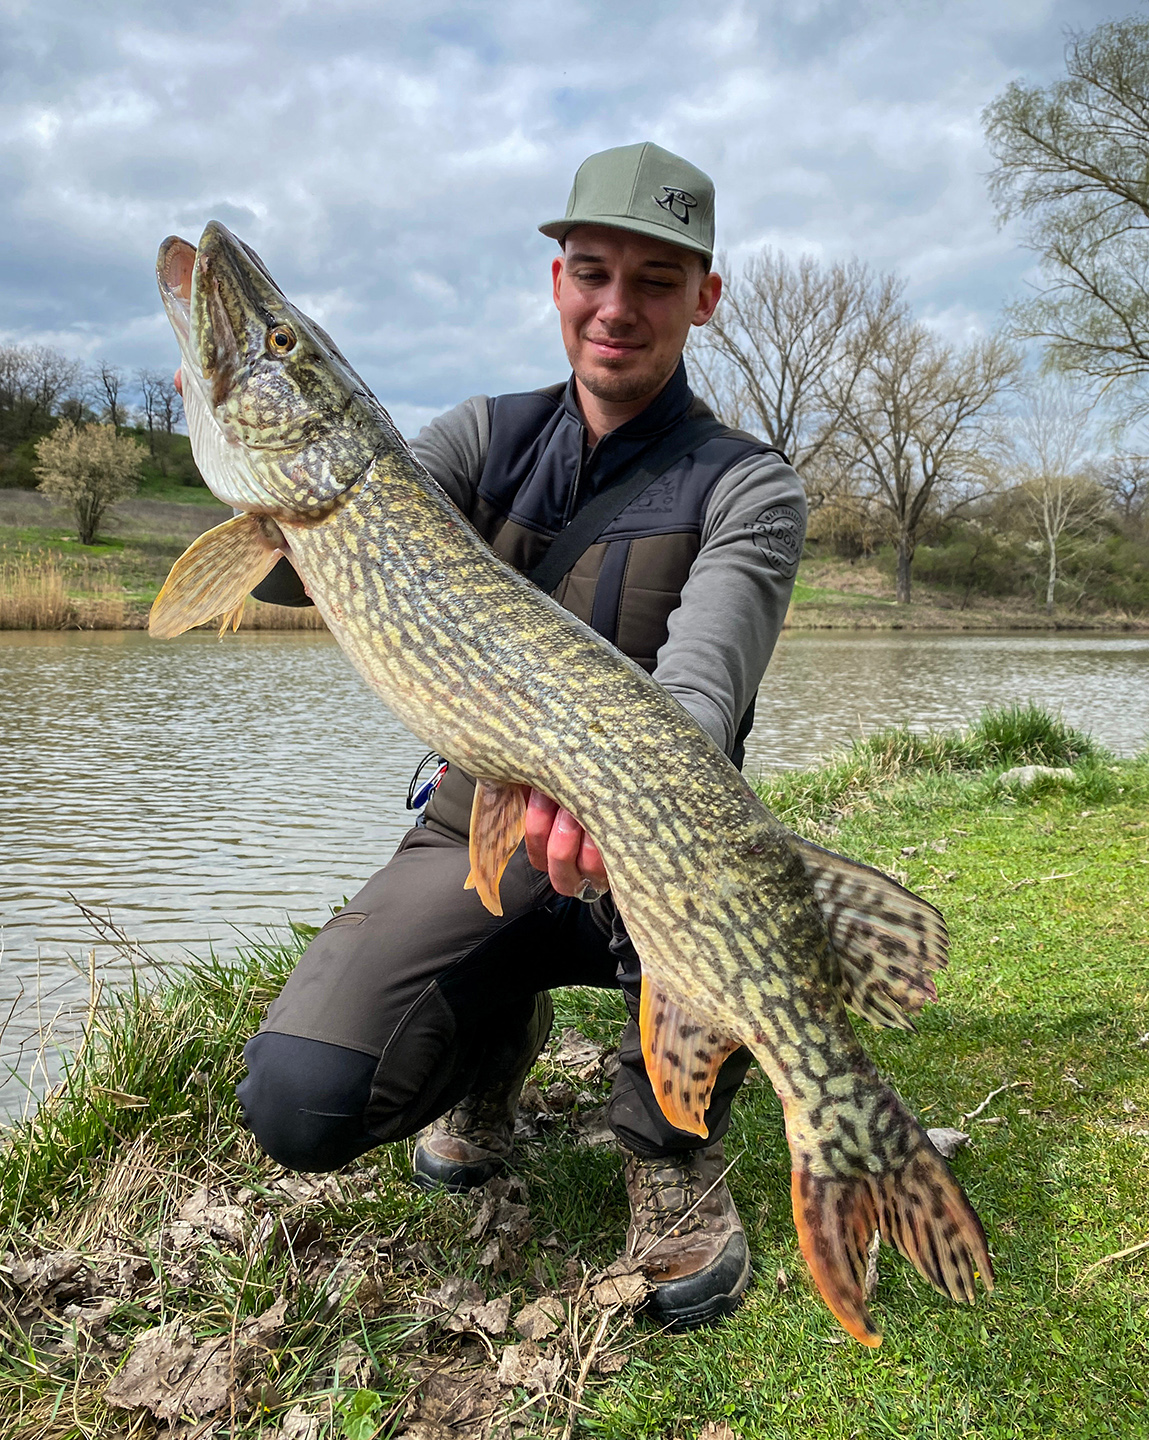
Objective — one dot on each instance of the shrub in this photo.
(88, 467)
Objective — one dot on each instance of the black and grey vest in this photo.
(537, 474)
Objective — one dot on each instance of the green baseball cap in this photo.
(646, 189)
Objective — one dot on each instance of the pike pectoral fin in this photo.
(214, 576)
(918, 1208)
(683, 1057)
(498, 813)
(888, 940)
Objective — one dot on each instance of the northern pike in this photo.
(747, 933)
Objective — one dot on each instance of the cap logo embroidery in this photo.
(676, 202)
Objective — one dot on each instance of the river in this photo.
(201, 791)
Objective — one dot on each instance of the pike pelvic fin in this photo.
(214, 576)
(888, 941)
(918, 1208)
(683, 1057)
(498, 815)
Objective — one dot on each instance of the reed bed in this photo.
(38, 594)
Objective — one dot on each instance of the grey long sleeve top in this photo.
(734, 601)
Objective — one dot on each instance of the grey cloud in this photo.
(391, 162)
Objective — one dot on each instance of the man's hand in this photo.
(558, 844)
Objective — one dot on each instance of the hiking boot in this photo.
(686, 1232)
(471, 1143)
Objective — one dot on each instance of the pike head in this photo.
(279, 422)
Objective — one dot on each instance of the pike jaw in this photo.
(280, 424)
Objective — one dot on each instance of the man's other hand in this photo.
(558, 844)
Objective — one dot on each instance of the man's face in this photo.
(627, 304)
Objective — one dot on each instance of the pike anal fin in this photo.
(214, 576)
(918, 1208)
(683, 1056)
(498, 815)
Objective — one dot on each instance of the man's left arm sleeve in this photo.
(721, 636)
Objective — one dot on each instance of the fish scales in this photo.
(719, 898)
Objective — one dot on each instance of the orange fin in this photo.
(214, 576)
(683, 1056)
(889, 941)
(919, 1209)
(498, 814)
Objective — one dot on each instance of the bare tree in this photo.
(34, 382)
(109, 381)
(785, 348)
(1052, 449)
(1126, 479)
(917, 434)
(151, 387)
(169, 404)
(88, 467)
(1071, 161)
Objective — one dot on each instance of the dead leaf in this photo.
(781, 1281)
(947, 1142)
(622, 1284)
(592, 1128)
(494, 1316)
(297, 1424)
(575, 1051)
(610, 1362)
(541, 1318)
(718, 1430)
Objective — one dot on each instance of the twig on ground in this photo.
(993, 1094)
(1117, 1255)
(584, 1370)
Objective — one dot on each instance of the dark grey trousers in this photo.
(385, 1022)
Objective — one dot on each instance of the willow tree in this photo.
(89, 468)
(1071, 162)
(918, 435)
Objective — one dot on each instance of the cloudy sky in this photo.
(390, 161)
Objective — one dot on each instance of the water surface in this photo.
(201, 791)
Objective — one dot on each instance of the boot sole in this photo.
(706, 1297)
(429, 1172)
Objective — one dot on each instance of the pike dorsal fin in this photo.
(214, 576)
(683, 1056)
(498, 814)
(888, 941)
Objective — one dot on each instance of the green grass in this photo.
(1047, 993)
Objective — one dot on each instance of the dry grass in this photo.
(45, 592)
(37, 594)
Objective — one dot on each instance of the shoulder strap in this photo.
(592, 519)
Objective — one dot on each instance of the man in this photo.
(415, 1011)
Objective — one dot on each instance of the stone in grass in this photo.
(1026, 775)
(947, 1142)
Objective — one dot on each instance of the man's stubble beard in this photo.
(620, 389)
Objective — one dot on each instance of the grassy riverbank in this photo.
(49, 581)
(306, 1307)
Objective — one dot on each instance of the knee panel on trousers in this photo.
(304, 1100)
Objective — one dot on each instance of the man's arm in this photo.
(721, 636)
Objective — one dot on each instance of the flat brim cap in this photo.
(646, 189)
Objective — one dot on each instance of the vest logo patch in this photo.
(657, 498)
(778, 533)
(676, 202)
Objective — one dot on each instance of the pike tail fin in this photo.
(889, 942)
(918, 1208)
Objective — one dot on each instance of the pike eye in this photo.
(280, 339)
